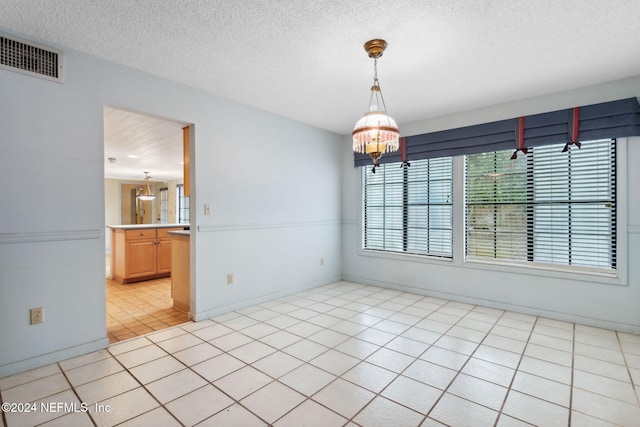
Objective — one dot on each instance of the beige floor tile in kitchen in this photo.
(136, 309)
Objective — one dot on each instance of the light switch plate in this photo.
(207, 208)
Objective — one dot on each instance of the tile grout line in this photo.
(351, 420)
(515, 372)
(398, 374)
(73, 389)
(235, 401)
(495, 323)
(227, 352)
(246, 364)
(207, 382)
(141, 303)
(2, 413)
(145, 387)
(624, 357)
(140, 382)
(377, 394)
(306, 398)
(310, 398)
(360, 359)
(427, 349)
(603, 375)
(463, 365)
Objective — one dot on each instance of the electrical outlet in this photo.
(321, 261)
(229, 279)
(37, 315)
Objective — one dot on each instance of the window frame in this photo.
(458, 261)
(180, 209)
(526, 176)
(384, 253)
(163, 196)
(619, 277)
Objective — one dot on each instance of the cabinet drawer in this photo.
(140, 234)
(163, 233)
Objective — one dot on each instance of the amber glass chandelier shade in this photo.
(145, 192)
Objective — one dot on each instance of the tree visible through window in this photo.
(546, 207)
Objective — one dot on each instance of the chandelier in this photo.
(376, 132)
(145, 192)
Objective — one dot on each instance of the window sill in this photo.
(539, 270)
(545, 270)
(401, 256)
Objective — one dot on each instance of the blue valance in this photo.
(598, 121)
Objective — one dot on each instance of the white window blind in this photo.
(547, 207)
(182, 205)
(409, 208)
(164, 205)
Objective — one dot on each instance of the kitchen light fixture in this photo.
(145, 192)
(376, 133)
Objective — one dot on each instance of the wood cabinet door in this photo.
(141, 257)
(164, 256)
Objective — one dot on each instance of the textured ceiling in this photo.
(304, 59)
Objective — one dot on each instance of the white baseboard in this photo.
(53, 357)
(566, 317)
(257, 300)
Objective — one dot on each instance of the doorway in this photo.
(137, 145)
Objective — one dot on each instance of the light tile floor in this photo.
(136, 309)
(346, 355)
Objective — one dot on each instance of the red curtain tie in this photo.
(574, 127)
(520, 139)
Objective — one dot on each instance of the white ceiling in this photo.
(304, 59)
(140, 143)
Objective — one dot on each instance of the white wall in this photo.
(274, 185)
(274, 190)
(597, 301)
(111, 207)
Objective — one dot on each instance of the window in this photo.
(182, 205)
(409, 209)
(164, 205)
(546, 207)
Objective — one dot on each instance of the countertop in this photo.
(142, 226)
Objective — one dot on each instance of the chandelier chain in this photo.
(376, 83)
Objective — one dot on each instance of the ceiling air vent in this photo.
(29, 58)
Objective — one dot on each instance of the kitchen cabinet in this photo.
(180, 270)
(140, 253)
(163, 248)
